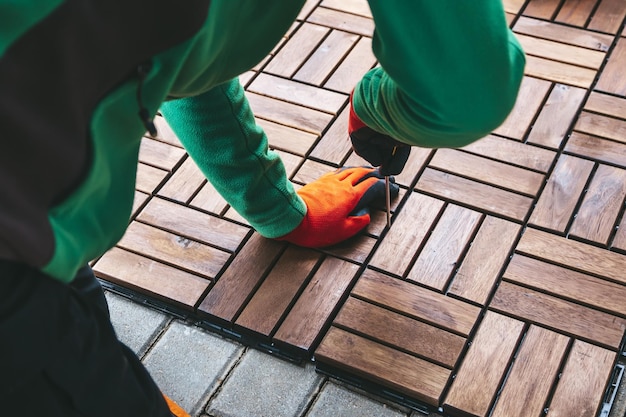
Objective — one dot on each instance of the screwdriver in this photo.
(388, 193)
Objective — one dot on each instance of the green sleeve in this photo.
(218, 130)
(449, 71)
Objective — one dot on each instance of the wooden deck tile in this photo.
(484, 366)
(531, 96)
(555, 313)
(488, 171)
(582, 384)
(398, 370)
(613, 79)
(513, 152)
(488, 253)
(442, 251)
(601, 205)
(477, 195)
(417, 302)
(499, 288)
(554, 120)
(571, 285)
(151, 277)
(343, 21)
(317, 302)
(270, 301)
(534, 369)
(326, 57)
(558, 200)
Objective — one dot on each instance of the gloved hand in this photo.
(338, 206)
(376, 148)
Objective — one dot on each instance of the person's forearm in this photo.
(218, 131)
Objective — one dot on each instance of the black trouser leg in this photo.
(59, 355)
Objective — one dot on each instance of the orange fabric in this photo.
(330, 200)
(175, 408)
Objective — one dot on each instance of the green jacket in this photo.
(75, 75)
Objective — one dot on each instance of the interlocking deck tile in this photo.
(535, 367)
(581, 387)
(480, 374)
(518, 237)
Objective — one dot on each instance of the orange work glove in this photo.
(175, 408)
(338, 206)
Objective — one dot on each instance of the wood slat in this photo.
(513, 152)
(575, 12)
(317, 302)
(476, 195)
(575, 286)
(357, 248)
(561, 52)
(559, 72)
(184, 183)
(347, 22)
(556, 116)
(557, 32)
(138, 201)
(318, 68)
(484, 366)
(416, 377)
(603, 201)
(298, 117)
(563, 189)
(444, 246)
(573, 254)
(286, 138)
(193, 224)
(597, 148)
(174, 249)
(405, 241)
(485, 259)
(608, 16)
(417, 302)
(271, 300)
(543, 9)
(620, 237)
(581, 387)
(237, 283)
(392, 329)
(613, 78)
(530, 97)
(159, 154)
(297, 93)
(358, 61)
(534, 370)
(295, 52)
(149, 178)
(488, 171)
(603, 126)
(209, 199)
(165, 132)
(558, 314)
(359, 7)
(335, 145)
(151, 278)
(311, 171)
(606, 104)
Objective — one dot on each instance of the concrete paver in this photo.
(135, 324)
(264, 386)
(335, 400)
(188, 364)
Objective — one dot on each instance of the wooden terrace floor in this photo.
(500, 287)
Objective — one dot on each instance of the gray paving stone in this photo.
(135, 325)
(264, 386)
(188, 364)
(335, 400)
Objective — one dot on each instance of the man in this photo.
(79, 84)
